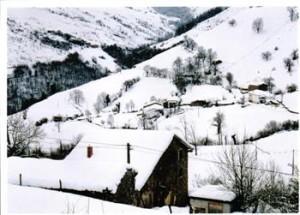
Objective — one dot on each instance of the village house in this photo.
(138, 167)
(253, 85)
(211, 199)
(152, 109)
(259, 96)
(207, 96)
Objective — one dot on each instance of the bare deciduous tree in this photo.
(288, 64)
(100, 102)
(229, 78)
(267, 55)
(20, 134)
(76, 97)
(239, 172)
(258, 25)
(232, 22)
(293, 13)
(219, 122)
(111, 121)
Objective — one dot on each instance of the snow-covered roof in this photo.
(153, 105)
(213, 192)
(205, 93)
(107, 165)
(260, 93)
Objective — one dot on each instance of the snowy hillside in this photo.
(270, 149)
(239, 47)
(30, 32)
(219, 86)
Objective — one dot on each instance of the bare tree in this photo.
(239, 172)
(270, 83)
(111, 121)
(295, 54)
(76, 97)
(293, 13)
(258, 25)
(232, 22)
(229, 78)
(189, 44)
(288, 64)
(184, 124)
(267, 55)
(131, 105)
(88, 115)
(193, 138)
(219, 122)
(100, 102)
(20, 134)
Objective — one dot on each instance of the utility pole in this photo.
(128, 153)
(293, 163)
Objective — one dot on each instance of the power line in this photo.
(259, 169)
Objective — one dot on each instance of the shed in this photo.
(211, 199)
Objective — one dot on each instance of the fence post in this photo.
(128, 153)
(20, 179)
(60, 185)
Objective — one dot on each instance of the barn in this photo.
(138, 167)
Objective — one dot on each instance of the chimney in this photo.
(89, 151)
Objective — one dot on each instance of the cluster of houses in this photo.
(109, 164)
(258, 92)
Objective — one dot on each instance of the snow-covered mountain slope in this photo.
(239, 47)
(43, 34)
(184, 13)
(60, 104)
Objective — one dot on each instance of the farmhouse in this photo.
(212, 199)
(259, 96)
(138, 167)
(206, 95)
(254, 85)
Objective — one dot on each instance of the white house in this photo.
(211, 199)
(259, 96)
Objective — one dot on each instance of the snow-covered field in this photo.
(47, 201)
(240, 121)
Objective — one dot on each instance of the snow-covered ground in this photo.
(60, 104)
(237, 120)
(129, 27)
(239, 47)
(78, 172)
(48, 201)
(240, 50)
(277, 148)
(291, 100)
(208, 93)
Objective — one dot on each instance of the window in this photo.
(199, 210)
(180, 155)
(215, 207)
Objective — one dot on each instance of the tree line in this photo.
(30, 85)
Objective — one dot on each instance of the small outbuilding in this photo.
(211, 199)
(259, 96)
